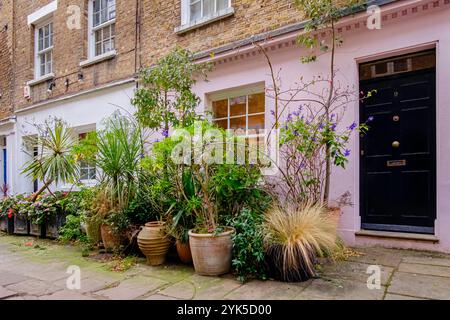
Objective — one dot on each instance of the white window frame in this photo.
(92, 57)
(187, 24)
(37, 55)
(236, 93)
(87, 182)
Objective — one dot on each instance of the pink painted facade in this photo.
(407, 27)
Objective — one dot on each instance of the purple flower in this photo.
(332, 117)
(321, 126)
(165, 133)
(347, 153)
(296, 133)
(289, 118)
(370, 119)
(272, 112)
(333, 127)
(353, 126)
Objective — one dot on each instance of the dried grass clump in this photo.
(296, 237)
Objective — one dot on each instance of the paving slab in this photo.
(132, 288)
(7, 278)
(65, 295)
(433, 261)
(425, 269)
(267, 290)
(160, 297)
(356, 271)
(379, 256)
(421, 286)
(321, 289)
(397, 297)
(201, 288)
(34, 287)
(5, 293)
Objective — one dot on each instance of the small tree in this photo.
(165, 98)
(54, 162)
(323, 15)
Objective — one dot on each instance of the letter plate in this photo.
(396, 163)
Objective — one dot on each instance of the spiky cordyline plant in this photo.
(54, 162)
(295, 238)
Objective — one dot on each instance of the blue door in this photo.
(5, 167)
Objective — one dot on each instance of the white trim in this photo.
(187, 25)
(75, 95)
(41, 79)
(106, 56)
(42, 13)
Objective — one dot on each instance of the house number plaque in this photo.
(396, 163)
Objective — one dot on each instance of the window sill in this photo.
(45, 78)
(98, 59)
(204, 21)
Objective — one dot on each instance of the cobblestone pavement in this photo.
(38, 270)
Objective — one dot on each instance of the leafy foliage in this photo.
(248, 250)
(54, 162)
(165, 98)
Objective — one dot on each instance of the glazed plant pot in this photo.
(154, 243)
(184, 252)
(211, 253)
(111, 241)
(286, 273)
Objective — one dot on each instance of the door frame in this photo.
(391, 228)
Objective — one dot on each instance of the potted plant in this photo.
(295, 237)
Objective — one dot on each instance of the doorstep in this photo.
(397, 235)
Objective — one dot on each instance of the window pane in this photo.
(222, 4)
(195, 11)
(41, 43)
(220, 109)
(238, 123)
(238, 106)
(96, 5)
(98, 49)
(222, 124)
(208, 7)
(256, 122)
(42, 69)
(256, 103)
(98, 35)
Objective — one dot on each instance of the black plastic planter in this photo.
(21, 225)
(4, 224)
(53, 225)
(37, 230)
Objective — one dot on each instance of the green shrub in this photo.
(72, 231)
(248, 252)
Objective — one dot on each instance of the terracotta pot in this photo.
(184, 252)
(110, 240)
(211, 254)
(154, 243)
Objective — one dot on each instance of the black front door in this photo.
(398, 166)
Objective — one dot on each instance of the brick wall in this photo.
(70, 48)
(5, 58)
(158, 19)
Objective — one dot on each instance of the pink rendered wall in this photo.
(394, 38)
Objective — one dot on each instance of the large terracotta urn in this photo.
(212, 253)
(154, 243)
